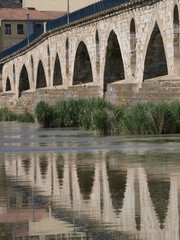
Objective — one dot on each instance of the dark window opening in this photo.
(20, 29)
(7, 28)
(37, 26)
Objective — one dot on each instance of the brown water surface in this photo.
(69, 184)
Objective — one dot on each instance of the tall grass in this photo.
(6, 115)
(85, 114)
(105, 118)
(26, 117)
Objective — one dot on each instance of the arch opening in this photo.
(155, 62)
(114, 68)
(14, 75)
(176, 31)
(133, 46)
(23, 81)
(8, 84)
(82, 66)
(67, 58)
(160, 194)
(43, 162)
(60, 168)
(41, 78)
(117, 185)
(97, 53)
(57, 76)
(49, 63)
(86, 180)
(32, 69)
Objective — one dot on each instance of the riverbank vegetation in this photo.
(6, 115)
(106, 118)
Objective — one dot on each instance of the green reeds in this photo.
(25, 117)
(106, 118)
(6, 115)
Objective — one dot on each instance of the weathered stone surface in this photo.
(134, 45)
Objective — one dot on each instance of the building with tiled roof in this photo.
(14, 24)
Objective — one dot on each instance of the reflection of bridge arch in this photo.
(99, 206)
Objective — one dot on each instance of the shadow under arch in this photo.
(176, 31)
(155, 64)
(57, 75)
(82, 66)
(32, 70)
(60, 168)
(41, 78)
(133, 46)
(114, 67)
(160, 195)
(43, 163)
(26, 162)
(23, 80)
(67, 58)
(97, 53)
(85, 174)
(8, 84)
(117, 179)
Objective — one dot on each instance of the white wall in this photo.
(57, 5)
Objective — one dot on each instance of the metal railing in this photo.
(62, 21)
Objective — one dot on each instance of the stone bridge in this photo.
(127, 53)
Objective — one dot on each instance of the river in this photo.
(70, 184)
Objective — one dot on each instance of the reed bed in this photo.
(106, 118)
(6, 115)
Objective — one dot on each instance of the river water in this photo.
(70, 184)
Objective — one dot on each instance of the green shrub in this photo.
(44, 114)
(100, 120)
(6, 115)
(25, 117)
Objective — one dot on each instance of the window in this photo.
(7, 28)
(37, 25)
(20, 29)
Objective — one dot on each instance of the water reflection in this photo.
(102, 194)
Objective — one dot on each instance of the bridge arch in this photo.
(159, 191)
(8, 84)
(133, 46)
(32, 71)
(97, 52)
(67, 58)
(82, 65)
(176, 38)
(114, 66)
(23, 80)
(155, 62)
(57, 75)
(85, 178)
(176, 31)
(41, 77)
(117, 180)
(14, 76)
(49, 62)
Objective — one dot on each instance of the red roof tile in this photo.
(20, 14)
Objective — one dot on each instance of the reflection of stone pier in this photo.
(133, 210)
